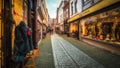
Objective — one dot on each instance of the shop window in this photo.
(105, 14)
(116, 11)
(107, 26)
(86, 2)
(72, 8)
(90, 30)
(117, 32)
(107, 30)
(76, 6)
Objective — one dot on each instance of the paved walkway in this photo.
(68, 56)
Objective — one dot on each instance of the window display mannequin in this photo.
(115, 23)
(99, 28)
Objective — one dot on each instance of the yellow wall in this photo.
(18, 11)
(25, 18)
(17, 15)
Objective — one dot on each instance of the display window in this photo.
(106, 30)
(74, 29)
(107, 26)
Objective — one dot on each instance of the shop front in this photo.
(104, 26)
(66, 27)
(12, 12)
(99, 23)
(74, 29)
(88, 26)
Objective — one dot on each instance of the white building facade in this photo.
(75, 7)
(42, 18)
(60, 16)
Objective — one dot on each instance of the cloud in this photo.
(52, 7)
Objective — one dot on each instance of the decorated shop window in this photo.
(107, 30)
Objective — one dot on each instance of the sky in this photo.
(52, 7)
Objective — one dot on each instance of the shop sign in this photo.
(96, 7)
(100, 5)
(90, 3)
(74, 18)
(87, 4)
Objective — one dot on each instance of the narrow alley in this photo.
(68, 56)
(59, 33)
(60, 51)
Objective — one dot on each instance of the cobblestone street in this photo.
(60, 51)
(59, 33)
(68, 56)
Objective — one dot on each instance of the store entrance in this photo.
(74, 30)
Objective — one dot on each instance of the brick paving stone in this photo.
(61, 56)
(107, 59)
(45, 58)
(68, 56)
